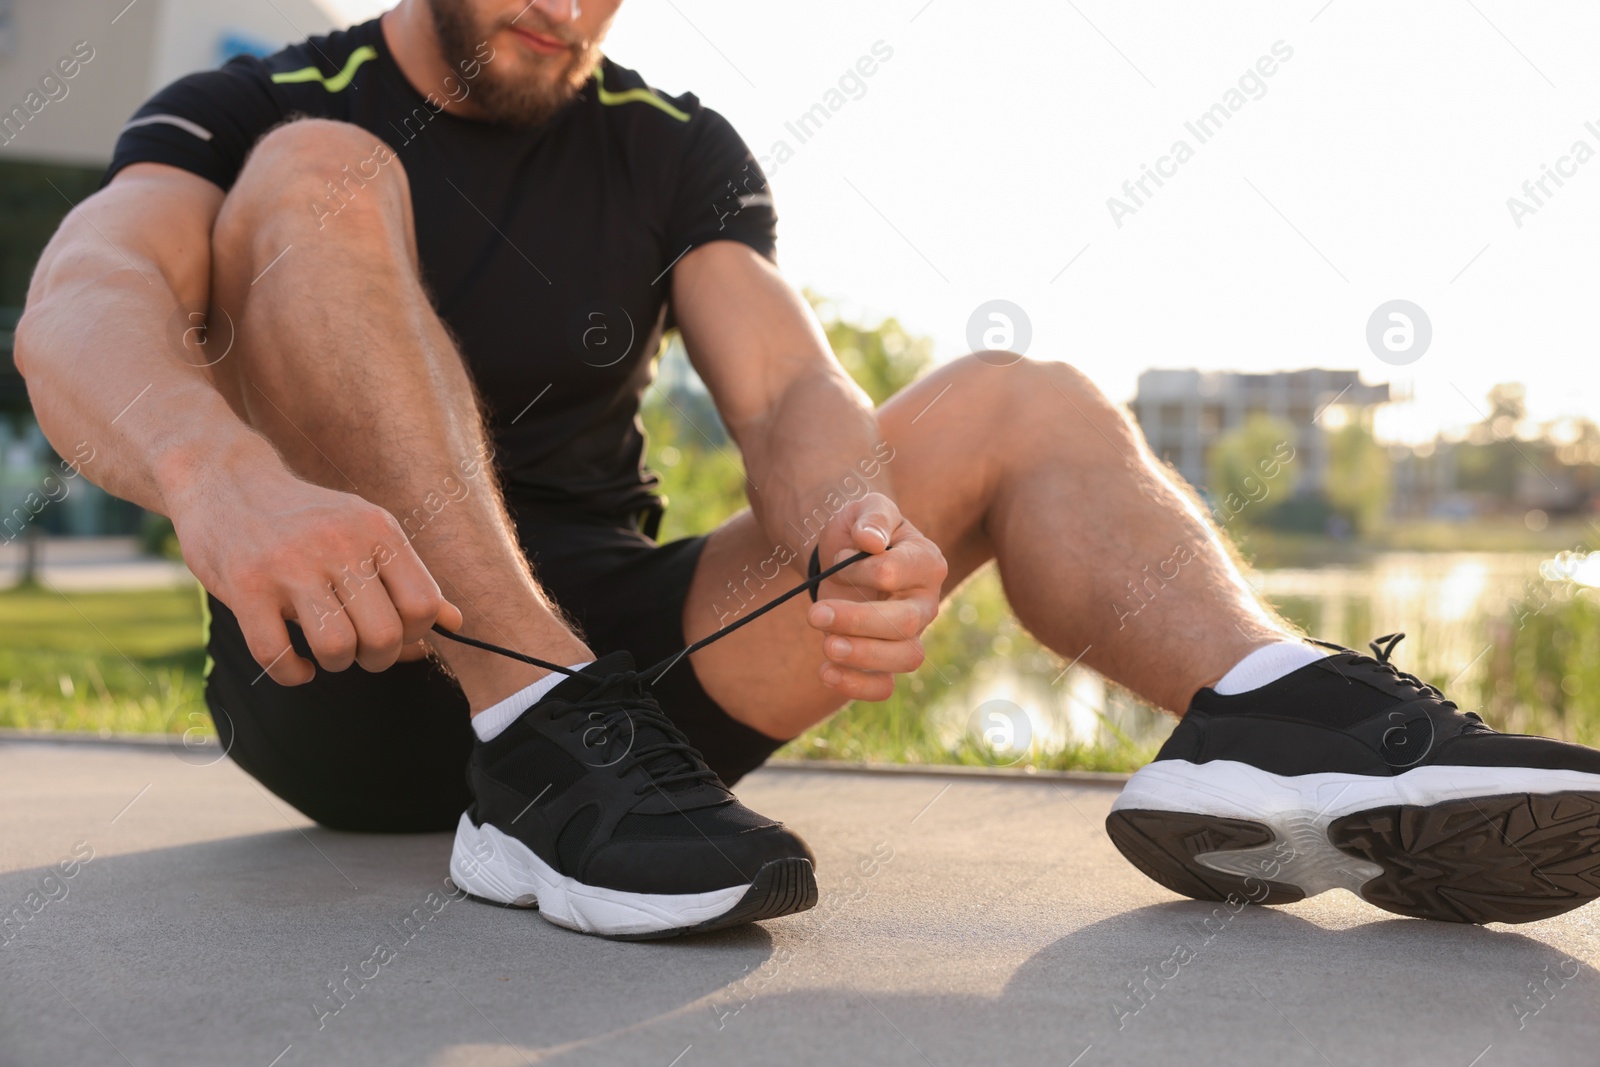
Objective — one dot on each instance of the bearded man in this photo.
(370, 319)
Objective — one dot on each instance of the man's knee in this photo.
(1016, 383)
(312, 176)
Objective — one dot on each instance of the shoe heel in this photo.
(1165, 844)
(477, 868)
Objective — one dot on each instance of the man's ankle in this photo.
(492, 721)
(1266, 665)
(488, 678)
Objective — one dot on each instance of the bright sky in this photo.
(1376, 166)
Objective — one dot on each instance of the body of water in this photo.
(1506, 634)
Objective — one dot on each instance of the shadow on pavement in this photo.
(1266, 987)
(257, 950)
(230, 951)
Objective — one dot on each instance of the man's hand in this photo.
(340, 566)
(874, 612)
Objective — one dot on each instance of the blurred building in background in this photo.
(1215, 428)
(1503, 465)
(57, 130)
(136, 48)
(1183, 413)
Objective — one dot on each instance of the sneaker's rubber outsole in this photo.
(1164, 844)
(1510, 857)
(1507, 859)
(781, 887)
(498, 869)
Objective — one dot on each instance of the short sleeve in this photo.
(722, 194)
(204, 123)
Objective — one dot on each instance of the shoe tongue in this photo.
(637, 734)
(574, 688)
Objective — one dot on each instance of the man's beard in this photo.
(509, 100)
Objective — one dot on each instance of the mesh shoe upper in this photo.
(599, 783)
(1355, 714)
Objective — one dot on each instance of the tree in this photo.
(883, 359)
(1252, 470)
(1489, 461)
(701, 473)
(1508, 406)
(1359, 480)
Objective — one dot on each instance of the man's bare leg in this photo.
(1028, 464)
(339, 359)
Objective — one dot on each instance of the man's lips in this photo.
(539, 42)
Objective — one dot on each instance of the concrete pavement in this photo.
(964, 921)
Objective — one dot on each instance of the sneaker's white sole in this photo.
(496, 867)
(1473, 844)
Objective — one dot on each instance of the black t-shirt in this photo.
(547, 250)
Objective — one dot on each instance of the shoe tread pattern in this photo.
(1509, 859)
(1164, 844)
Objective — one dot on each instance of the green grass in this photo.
(132, 662)
(103, 662)
(973, 639)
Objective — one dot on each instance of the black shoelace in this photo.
(1382, 650)
(653, 740)
(616, 698)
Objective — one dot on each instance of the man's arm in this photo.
(94, 344)
(807, 434)
(110, 378)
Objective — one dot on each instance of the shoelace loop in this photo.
(1383, 647)
(652, 674)
(1382, 650)
(672, 759)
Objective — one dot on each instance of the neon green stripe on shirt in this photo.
(336, 84)
(643, 96)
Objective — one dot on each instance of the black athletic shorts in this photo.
(388, 751)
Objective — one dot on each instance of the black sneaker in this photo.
(595, 809)
(1350, 774)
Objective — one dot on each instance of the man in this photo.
(434, 256)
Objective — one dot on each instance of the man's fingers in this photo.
(909, 565)
(268, 640)
(873, 611)
(870, 533)
(328, 629)
(875, 516)
(857, 685)
(415, 595)
(869, 654)
(379, 631)
(889, 620)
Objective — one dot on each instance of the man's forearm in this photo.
(815, 451)
(136, 418)
(809, 435)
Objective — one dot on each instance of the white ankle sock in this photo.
(1267, 665)
(492, 721)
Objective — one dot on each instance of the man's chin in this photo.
(522, 104)
(546, 75)
(525, 86)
